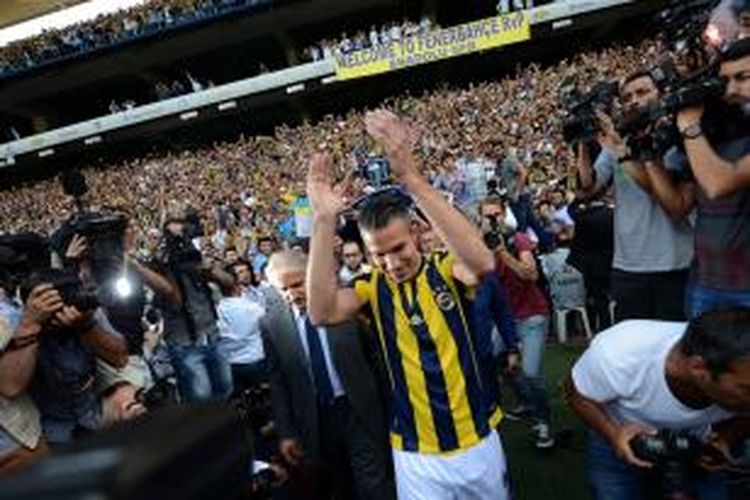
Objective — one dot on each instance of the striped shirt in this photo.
(722, 232)
(439, 401)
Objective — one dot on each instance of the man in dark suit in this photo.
(324, 394)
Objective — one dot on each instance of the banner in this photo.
(435, 45)
(302, 217)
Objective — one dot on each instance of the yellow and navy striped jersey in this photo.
(439, 399)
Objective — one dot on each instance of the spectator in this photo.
(353, 262)
(239, 337)
(519, 272)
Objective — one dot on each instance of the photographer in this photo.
(718, 150)
(125, 306)
(21, 441)
(641, 376)
(653, 242)
(69, 346)
(190, 324)
(519, 273)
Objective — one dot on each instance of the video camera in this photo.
(104, 235)
(581, 123)
(651, 132)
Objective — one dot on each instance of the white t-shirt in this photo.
(624, 368)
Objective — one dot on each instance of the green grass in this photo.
(559, 473)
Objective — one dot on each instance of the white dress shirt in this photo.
(239, 330)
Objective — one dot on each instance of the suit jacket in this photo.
(293, 399)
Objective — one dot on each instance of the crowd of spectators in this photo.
(245, 189)
(367, 39)
(106, 30)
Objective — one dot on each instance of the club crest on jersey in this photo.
(444, 300)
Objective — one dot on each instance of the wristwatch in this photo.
(692, 131)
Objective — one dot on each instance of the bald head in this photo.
(286, 272)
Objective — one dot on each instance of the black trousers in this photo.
(354, 465)
(597, 298)
(658, 296)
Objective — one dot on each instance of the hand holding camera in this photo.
(608, 136)
(69, 317)
(41, 305)
(622, 441)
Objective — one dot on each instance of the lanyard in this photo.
(411, 309)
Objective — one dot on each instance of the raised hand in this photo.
(325, 197)
(77, 248)
(608, 136)
(397, 138)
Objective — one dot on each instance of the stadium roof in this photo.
(84, 11)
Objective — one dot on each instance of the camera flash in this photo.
(123, 287)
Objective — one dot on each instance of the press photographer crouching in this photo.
(665, 404)
(190, 324)
(653, 244)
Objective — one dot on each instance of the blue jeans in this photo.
(611, 478)
(700, 299)
(202, 373)
(529, 386)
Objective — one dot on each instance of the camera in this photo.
(674, 453)
(581, 123)
(104, 235)
(494, 237)
(158, 396)
(67, 283)
(376, 171)
(178, 250)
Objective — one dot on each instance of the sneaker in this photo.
(520, 412)
(543, 438)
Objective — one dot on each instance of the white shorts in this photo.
(479, 473)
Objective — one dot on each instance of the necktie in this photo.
(322, 381)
